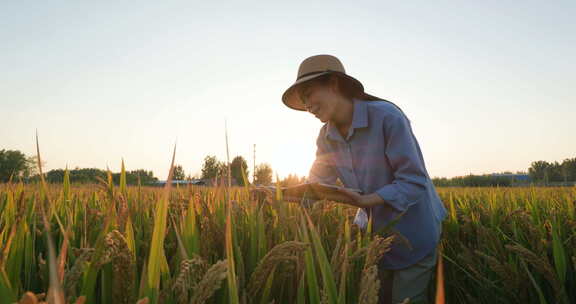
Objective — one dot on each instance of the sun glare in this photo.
(296, 160)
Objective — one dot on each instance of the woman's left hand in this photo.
(363, 201)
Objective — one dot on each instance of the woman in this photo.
(367, 143)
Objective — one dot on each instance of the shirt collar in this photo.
(359, 120)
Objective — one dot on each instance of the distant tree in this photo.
(56, 176)
(555, 172)
(222, 169)
(440, 181)
(94, 175)
(543, 171)
(538, 171)
(178, 173)
(211, 167)
(239, 170)
(263, 175)
(146, 177)
(14, 163)
(80, 175)
(486, 180)
(32, 168)
(569, 169)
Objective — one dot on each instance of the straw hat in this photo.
(313, 67)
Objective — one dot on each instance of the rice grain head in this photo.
(369, 286)
(541, 264)
(117, 252)
(188, 277)
(287, 251)
(211, 281)
(72, 276)
(376, 250)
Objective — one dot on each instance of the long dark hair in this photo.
(347, 87)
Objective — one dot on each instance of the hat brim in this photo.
(293, 101)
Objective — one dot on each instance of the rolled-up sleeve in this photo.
(403, 155)
(322, 170)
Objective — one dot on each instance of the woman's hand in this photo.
(262, 194)
(362, 201)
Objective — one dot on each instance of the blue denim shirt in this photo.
(380, 154)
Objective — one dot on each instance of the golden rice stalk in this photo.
(122, 210)
(73, 275)
(376, 250)
(471, 262)
(369, 286)
(119, 254)
(287, 251)
(124, 275)
(340, 259)
(510, 278)
(211, 281)
(188, 277)
(61, 260)
(541, 264)
(6, 249)
(111, 250)
(359, 253)
(335, 260)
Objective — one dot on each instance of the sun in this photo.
(293, 160)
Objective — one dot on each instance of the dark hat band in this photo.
(313, 73)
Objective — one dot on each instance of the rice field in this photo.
(116, 244)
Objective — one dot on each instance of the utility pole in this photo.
(254, 172)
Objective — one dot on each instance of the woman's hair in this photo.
(346, 87)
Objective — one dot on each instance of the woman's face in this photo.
(321, 100)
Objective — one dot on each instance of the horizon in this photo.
(487, 87)
(197, 175)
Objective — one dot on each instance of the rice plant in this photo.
(102, 243)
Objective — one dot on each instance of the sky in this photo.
(488, 86)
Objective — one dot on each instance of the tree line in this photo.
(485, 180)
(93, 175)
(540, 172)
(212, 168)
(543, 171)
(16, 165)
